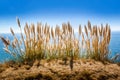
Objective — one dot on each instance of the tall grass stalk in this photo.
(45, 42)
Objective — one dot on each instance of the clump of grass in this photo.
(45, 42)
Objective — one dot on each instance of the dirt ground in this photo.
(57, 70)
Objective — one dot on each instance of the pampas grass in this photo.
(45, 42)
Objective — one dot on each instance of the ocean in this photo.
(114, 46)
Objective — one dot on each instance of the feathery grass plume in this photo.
(5, 41)
(83, 40)
(69, 28)
(13, 44)
(96, 30)
(88, 44)
(27, 28)
(108, 35)
(80, 30)
(86, 30)
(107, 26)
(96, 46)
(89, 26)
(101, 26)
(18, 21)
(48, 30)
(63, 28)
(57, 30)
(38, 27)
(15, 40)
(33, 29)
(18, 46)
(104, 31)
(100, 31)
(93, 30)
(27, 32)
(42, 29)
(47, 39)
(8, 51)
(33, 37)
(52, 32)
(45, 28)
(73, 34)
(12, 31)
(38, 31)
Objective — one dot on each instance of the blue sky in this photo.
(57, 11)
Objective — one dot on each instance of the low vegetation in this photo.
(45, 42)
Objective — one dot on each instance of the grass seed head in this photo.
(86, 30)
(5, 41)
(80, 30)
(8, 51)
(18, 21)
(89, 26)
(12, 31)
